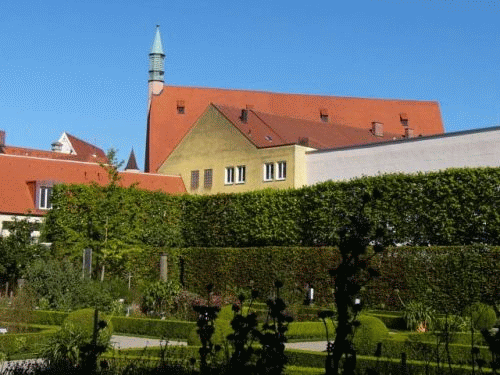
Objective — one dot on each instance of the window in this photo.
(268, 171)
(195, 180)
(207, 179)
(45, 198)
(241, 177)
(281, 170)
(229, 175)
(180, 107)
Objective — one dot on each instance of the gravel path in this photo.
(127, 342)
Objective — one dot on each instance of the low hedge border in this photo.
(18, 345)
(169, 329)
(43, 317)
(310, 359)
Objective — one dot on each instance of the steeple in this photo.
(156, 66)
(132, 163)
(156, 59)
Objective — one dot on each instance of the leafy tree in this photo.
(17, 250)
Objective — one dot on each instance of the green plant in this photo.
(159, 297)
(80, 341)
(370, 332)
(482, 316)
(418, 315)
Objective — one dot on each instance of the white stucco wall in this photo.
(475, 148)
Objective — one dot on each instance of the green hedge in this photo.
(51, 318)
(15, 345)
(451, 207)
(447, 278)
(316, 360)
(169, 329)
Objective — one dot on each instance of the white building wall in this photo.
(475, 148)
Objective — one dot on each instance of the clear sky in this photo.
(81, 66)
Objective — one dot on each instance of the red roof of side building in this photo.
(266, 130)
(84, 152)
(21, 174)
(167, 127)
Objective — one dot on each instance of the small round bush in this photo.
(222, 328)
(82, 321)
(482, 316)
(371, 331)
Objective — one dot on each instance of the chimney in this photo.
(409, 133)
(244, 116)
(2, 137)
(56, 146)
(378, 129)
(304, 141)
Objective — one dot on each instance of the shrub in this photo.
(482, 316)
(158, 297)
(222, 328)
(71, 344)
(418, 313)
(370, 332)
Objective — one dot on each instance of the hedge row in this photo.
(452, 207)
(169, 329)
(447, 278)
(14, 345)
(303, 361)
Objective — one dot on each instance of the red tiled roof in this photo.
(17, 172)
(166, 127)
(86, 150)
(267, 130)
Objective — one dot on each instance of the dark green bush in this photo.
(482, 316)
(370, 332)
(82, 321)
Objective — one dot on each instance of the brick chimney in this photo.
(2, 137)
(244, 116)
(377, 129)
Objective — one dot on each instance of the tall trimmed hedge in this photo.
(452, 207)
(448, 278)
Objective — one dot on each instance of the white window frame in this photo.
(45, 197)
(229, 176)
(281, 170)
(241, 174)
(268, 170)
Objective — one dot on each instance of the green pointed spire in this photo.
(156, 59)
(157, 47)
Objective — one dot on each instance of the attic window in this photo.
(268, 138)
(404, 118)
(180, 107)
(323, 115)
(45, 197)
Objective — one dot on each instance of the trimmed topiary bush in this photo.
(482, 316)
(370, 332)
(222, 328)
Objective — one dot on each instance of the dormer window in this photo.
(181, 109)
(323, 115)
(45, 197)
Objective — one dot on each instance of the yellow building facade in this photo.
(215, 157)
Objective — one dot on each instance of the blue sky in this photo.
(81, 66)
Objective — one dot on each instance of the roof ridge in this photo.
(430, 101)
